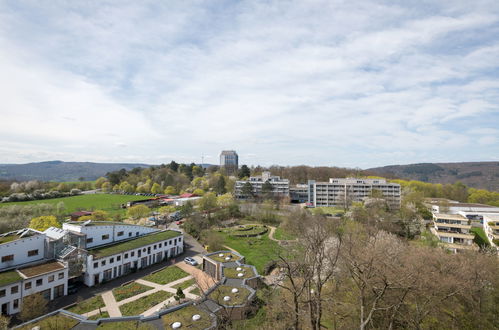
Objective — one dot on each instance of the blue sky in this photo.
(340, 83)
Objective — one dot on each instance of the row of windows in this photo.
(39, 282)
(10, 257)
(106, 236)
(139, 252)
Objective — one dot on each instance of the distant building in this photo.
(339, 192)
(454, 231)
(229, 161)
(298, 193)
(280, 187)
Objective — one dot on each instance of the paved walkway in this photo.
(203, 280)
(113, 306)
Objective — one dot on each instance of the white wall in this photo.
(19, 248)
(9, 298)
(167, 246)
(96, 232)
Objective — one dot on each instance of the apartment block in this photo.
(280, 187)
(454, 231)
(229, 161)
(298, 193)
(491, 228)
(92, 252)
(341, 192)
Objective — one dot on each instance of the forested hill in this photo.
(482, 175)
(61, 171)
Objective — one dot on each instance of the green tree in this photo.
(138, 211)
(199, 192)
(197, 171)
(4, 322)
(208, 202)
(126, 187)
(99, 182)
(225, 200)
(267, 189)
(173, 166)
(187, 209)
(179, 295)
(33, 306)
(156, 189)
(220, 186)
(170, 190)
(244, 172)
(44, 222)
(106, 186)
(247, 190)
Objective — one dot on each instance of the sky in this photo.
(321, 83)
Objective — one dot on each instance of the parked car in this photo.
(190, 261)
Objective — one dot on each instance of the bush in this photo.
(269, 267)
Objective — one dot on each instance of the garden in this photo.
(166, 275)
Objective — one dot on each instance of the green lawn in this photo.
(140, 305)
(196, 291)
(326, 210)
(184, 285)
(480, 237)
(233, 272)
(126, 325)
(129, 290)
(88, 305)
(58, 321)
(219, 258)
(107, 202)
(184, 316)
(258, 251)
(167, 275)
(99, 316)
(283, 235)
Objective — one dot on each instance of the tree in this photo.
(99, 182)
(138, 211)
(197, 171)
(179, 295)
(186, 209)
(208, 202)
(244, 172)
(199, 192)
(247, 190)
(220, 186)
(225, 200)
(267, 189)
(44, 222)
(33, 306)
(156, 189)
(106, 186)
(173, 166)
(4, 322)
(170, 190)
(126, 187)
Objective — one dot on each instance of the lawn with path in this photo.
(184, 285)
(142, 304)
(87, 305)
(129, 290)
(282, 235)
(167, 275)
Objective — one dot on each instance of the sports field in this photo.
(106, 202)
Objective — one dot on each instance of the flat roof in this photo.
(100, 223)
(450, 216)
(41, 269)
(134, 243)
(9, 277)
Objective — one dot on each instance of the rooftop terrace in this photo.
(220, 294)
(134, 243)
(47, 267)
(9, 277)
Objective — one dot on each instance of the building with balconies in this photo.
(277, 187)
(454, 231)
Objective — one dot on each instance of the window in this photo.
(96, 264)
(126, 255)
(160, 244)
(132, 253)
(10, 257)
(130, 234)
(60, 276)
(59, 291)
(14, 289)
(90, 240)
(118, 258)
(51, 278)
(103, 263)
(137, 234)
(105, 236)
(120, 233)
(154, 247)
(27, 285)
(111, 260)
(32, 253)
(39, 282)
(16, 304)
(2, 293)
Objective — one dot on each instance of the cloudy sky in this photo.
(344, 83)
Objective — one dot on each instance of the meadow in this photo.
(107, 202)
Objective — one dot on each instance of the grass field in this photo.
(126, 325)
(106, 202)
(184, 285)
(129, 290)
(326, 210)
(258, 251)
(166, 275)
(88, 305)
(184, 316)
(99, 316)
(140, 305)
(58, 321)
(283, 235)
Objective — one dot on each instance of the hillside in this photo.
(60, 171)
(482, 175)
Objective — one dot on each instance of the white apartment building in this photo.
(341, 192)
(453, 207)
(107, 262)
(42, 262)
(491, 228)
(454, 231)
(280, 187)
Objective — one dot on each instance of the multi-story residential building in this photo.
(43, 262)
(491, 228)
(298, 193)
(454, 231)
(279, 187)
(229, 161)
(341, 192)
(442, 205)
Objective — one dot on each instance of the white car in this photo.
(190, 261)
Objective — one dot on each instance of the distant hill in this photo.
(61, 171)
(482, 175)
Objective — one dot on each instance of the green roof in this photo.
(8, 238)
(100, 223)
(9, 277)
(133, 244)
